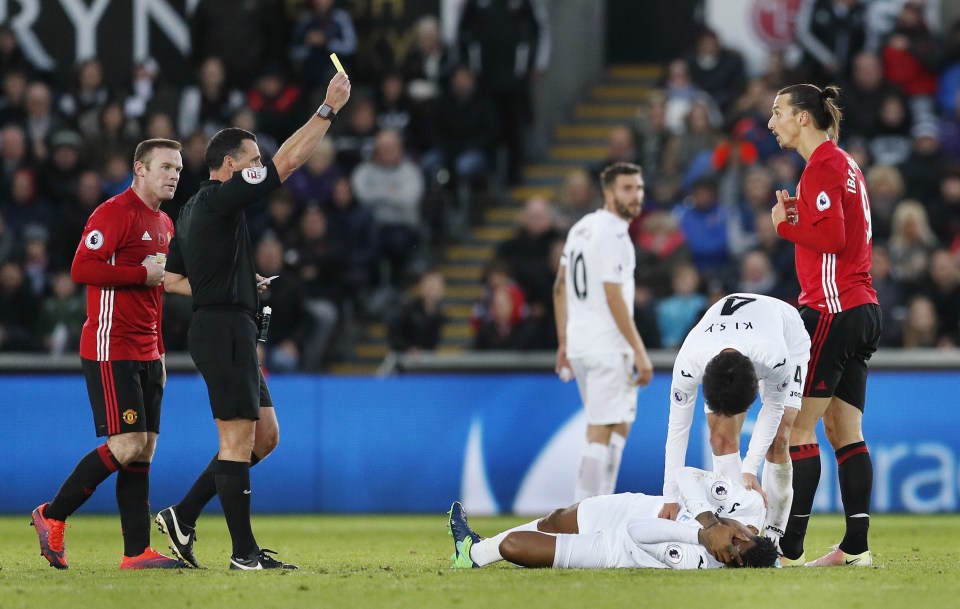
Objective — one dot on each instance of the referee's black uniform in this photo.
(212, 248)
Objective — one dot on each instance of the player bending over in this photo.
(623, 531)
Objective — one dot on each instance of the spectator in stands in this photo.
(245, 118)
(945, 211)
(645, 315)
(652, 135)
(704, 224)
(922, 169)
(9, 242)
(507, 42)
(943, 289)
(13, 156)
(418, 325)
(496, 275)
(780, 252)
(621, 148)
(681, 93)
(66, 229)
(13, 97)
(661, 247)
(428, 62)
(501, 331)
(57, 178)
(394, 107)
(147, 92)
(886, 187)
(465, 127)
(680, 311)
(277, 103)
(892, 143)
(355, 140)
(18, 310)
(528, 252)
(889, 295)
(689, 153)
(291, 327)
(911, 242)
(12, 57)
(42, 120)
(36, 260)
(757, 276)
(717, 70)
(114, 132)
(577, 197)
(81, 104)
(355, 227)
(62, 314)
(910, 57)
(194, 172)
(159, 125)
(208, 105)
(920, 325)
(831, 33)
(863, 96)
(312, 184)
(281, 221)
(242, 35)
(391, 186)
(116, 173)
(25, 205)
(320, 30)
(750, 114)
(321, 261)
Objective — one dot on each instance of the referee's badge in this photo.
(254, 175)
(823, 201)
(129, 416)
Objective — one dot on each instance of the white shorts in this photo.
(611, 549)
(612, 512)
(606, 387)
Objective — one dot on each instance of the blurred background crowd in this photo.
(431, 139)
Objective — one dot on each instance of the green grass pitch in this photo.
(402, 561)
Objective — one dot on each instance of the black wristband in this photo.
(325, 111)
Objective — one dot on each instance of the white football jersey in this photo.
(598, 250)
(771, 334)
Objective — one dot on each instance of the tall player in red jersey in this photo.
(829, 221)
(121, 260)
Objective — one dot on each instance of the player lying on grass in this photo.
(623, 531)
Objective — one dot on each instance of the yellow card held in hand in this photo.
(336, 62)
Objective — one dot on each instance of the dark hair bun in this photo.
(830, 92)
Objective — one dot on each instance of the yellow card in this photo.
(336, 62)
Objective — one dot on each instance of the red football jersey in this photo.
(123, 314)
(832, 185)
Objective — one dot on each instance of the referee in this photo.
(212, 258)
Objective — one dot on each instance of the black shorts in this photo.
(125, 395)
(223, 345)
(840, 345)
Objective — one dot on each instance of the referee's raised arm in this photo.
(299, 146)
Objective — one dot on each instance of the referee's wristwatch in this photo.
(326, 111)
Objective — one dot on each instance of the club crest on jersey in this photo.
(130, 416)
(161, 239)
(674, 554)
(93, 240)
(254, 175)
(823, 201)
(719, 490)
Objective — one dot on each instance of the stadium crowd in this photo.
(363, 219)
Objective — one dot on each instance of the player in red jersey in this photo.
(121, 260)
(829, 222)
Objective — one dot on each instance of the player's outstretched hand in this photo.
(753, 484)
(338, 91)
(154, 271)
(669, 511)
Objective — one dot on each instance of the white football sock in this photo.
(614, 456)
(729, 466)
(593, 463)
(487, 551)
(778, 484)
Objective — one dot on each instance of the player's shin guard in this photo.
(778, 484)
(133, 501)
(855, 470)
(806, 477)
(95, 467)
(593, 463)
(612, 470)
(729, 466)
